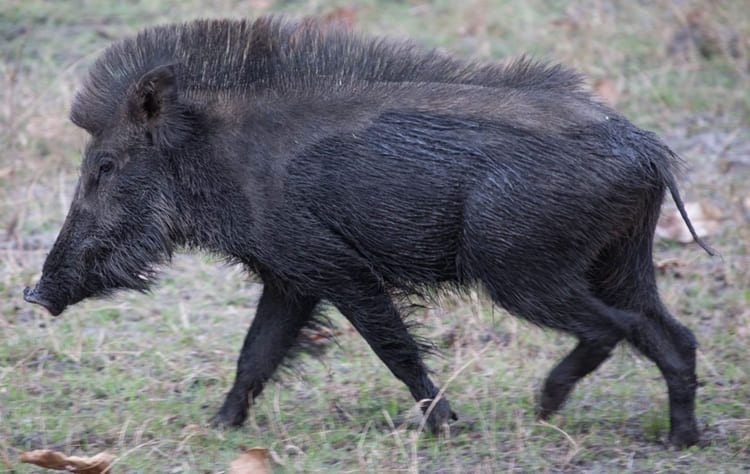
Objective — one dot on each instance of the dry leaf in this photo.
(607, 89)
(342, 16)
(60, 462)
(252, 461)
(475, 20)
(743, 326)
(320, 335)
(705, 218)
(700, 32)
(5, 458)
(668, 264)
(566, 23)
(704, 33)
(261, 4)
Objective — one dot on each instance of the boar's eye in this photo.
(105, 167)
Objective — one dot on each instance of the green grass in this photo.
(140, 375)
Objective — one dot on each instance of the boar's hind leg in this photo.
(584, 359)
(278, 320)
(377, 319)
(652, 331)
(672, 347)
(598, 327)
(624, 277)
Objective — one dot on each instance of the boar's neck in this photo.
(231, 179)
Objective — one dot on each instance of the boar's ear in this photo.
(155, 92)
(153, 103)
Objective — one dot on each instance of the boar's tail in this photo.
(671, 184)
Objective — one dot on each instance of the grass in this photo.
(140, 375)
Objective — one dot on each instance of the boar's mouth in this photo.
(34, 295)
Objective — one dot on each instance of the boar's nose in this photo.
(34, 296)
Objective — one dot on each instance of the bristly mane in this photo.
(272, 52)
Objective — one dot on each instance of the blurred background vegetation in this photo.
(140, 375)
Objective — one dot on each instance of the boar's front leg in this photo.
(280, 316)
(376, 318)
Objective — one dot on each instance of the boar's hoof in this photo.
(230, 415)
(544, 413)
(684, 438)
(440, 417)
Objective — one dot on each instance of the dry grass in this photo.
(140, 376)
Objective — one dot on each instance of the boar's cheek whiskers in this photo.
(133, 262)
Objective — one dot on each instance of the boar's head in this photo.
(122, 220)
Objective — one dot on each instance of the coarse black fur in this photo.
(357, 171)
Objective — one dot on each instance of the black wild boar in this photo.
(355, 171)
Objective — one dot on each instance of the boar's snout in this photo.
(36, 295)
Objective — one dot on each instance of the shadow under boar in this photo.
(357, 171)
